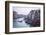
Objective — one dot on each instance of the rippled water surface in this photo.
(19, 23)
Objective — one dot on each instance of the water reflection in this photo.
(20, 22)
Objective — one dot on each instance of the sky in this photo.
(23, 10)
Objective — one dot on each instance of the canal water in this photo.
(20, 23)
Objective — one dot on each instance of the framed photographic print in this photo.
(24, 17)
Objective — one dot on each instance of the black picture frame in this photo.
(7, 16)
